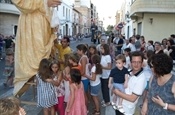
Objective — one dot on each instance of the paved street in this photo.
(28, 96)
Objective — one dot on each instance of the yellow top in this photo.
(33, 41)
(62, 51)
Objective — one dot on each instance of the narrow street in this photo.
(29, 95)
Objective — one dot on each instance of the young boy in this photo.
(127, 54)
(11, 106)
(119, 75)
(9, 68)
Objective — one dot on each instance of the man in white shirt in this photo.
(136, 84)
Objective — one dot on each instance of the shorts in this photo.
(119, 86)
(95, 89)
(147, 86)
(85, 84)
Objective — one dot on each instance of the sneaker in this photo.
(105, 104)
(120, 108)
(112, 103)
(114, 107)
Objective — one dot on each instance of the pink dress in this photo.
(79, 106)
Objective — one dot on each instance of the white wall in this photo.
(7, 23)
(161, 27)
(65, 18)
(128, 21)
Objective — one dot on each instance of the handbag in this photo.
(55, 21)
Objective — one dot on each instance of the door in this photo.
(139, 30)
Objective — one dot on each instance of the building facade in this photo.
(75, 21)
(65, 14)
(84, 8)
(155, 19)
(9, 15)
(75, 17)
(127, 29)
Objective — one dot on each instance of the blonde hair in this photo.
(9, 106)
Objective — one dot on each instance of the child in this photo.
(73, 60)
(95, 82)
(84, 62)
(66, 77)
(11, 106)
(76, 103)
(9, 68)
(45, 90)
(127, 53)
(58, 82)
(119, 75)
(92, 51)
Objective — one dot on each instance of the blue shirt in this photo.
(118, 75)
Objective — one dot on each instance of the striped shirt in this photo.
(46, 96)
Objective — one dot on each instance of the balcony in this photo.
(153, 6)
(6, 6)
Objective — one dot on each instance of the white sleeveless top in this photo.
(87, 71)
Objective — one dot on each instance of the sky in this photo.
(106, 9)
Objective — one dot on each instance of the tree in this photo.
(109, 29)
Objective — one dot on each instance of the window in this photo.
(128, 32)
(139, 30)
(63, 10)
(15, 27)
(66, 14)
(134, 31)
(69, 15)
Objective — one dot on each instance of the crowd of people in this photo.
(7, 49)
(68, 80)
(88, 70)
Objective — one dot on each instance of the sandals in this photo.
(96, 113)
(106, 104)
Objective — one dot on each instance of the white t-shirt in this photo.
(127, 64)
(97, 80)
(105, 60)
(132, 47)
(136, 85)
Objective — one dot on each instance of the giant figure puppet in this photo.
(34, 39)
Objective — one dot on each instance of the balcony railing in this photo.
(6, 1)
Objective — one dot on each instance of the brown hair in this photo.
(96, 60)
(9, 106)
(121, 57)
(74, 57)
(44, 69)
(55, 62)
